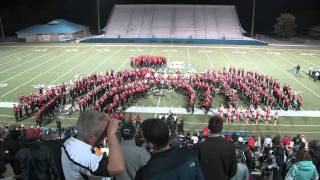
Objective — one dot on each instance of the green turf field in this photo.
(25, 67)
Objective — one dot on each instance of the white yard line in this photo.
(254, 124)
(30, 60)
(75, 67)
(276, 66)
(226, 57)
(189, 60)
(209, 59)
(14, 53)
(105, 60)
(316, 65)
(283, 132)
(33, 67)
(168, 59)
(16, 59)
(48, 70)
(89, 58)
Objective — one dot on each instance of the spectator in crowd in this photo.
(37, 163)
(242, 169)
(195, 138)
(5, 156)
(267, 141)
(314, 149)
(303, 169)
(167, 163)
(135, 157)
(279, 154)
(217, 157)
(78, 161)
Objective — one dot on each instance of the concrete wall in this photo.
(168, 40)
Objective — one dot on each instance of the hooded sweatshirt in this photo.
(302, 170)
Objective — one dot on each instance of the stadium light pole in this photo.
(2, 28)
(98, 15)
(253, 14)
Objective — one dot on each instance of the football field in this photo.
(26, 67)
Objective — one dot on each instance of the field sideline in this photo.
(25, 67)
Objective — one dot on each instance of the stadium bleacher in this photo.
(174, 21)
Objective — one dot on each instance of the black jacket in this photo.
(172, 164)
(217, 159)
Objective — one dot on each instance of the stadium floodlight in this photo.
(2, 28)
(98, 15)
(253, 14)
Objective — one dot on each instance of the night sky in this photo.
(17, 14)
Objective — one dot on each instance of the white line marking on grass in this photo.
(287, 74)
(158, 104)
(48, 60)
(32, 59)
(169, 58)
(125, 61)
(90, 57)
(209, 59)
(103, 62)
(40, 50)
(15, 53)
(189, 59)
(39, 75)
(226, 57)
(254, 124)
(15, 59)
(316, 65)
(3, 85)
(283, 132)
(103, 50)
(85, 61)
(274, 53)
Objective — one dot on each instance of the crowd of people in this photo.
(148, 61)
(102, 146)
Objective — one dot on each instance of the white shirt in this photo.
(78, 161)
(195, 139)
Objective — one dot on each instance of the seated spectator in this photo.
(217, 157)
(303, 169)
(167, 163)
(135, 157)
(242, 169)
(78, 160)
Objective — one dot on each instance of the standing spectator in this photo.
(303, 169)
(5, 156)
(242, 169)
(286, 140)
(195, 138)
(267, 141)
(251, 143)
(217, 157)
(78, 161)
(135, 157)
(298, 70)
(167, 163)
(279, 154)
(314, 149)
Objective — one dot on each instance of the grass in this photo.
(23, 67)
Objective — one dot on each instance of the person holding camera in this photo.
(78, 159)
